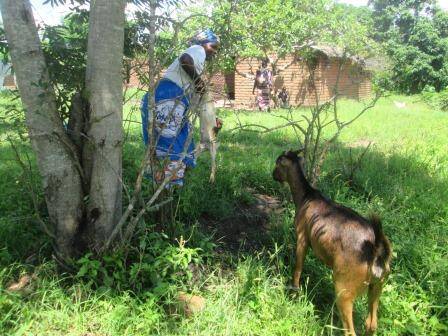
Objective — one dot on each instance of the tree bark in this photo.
(105, 136)
(55, 153)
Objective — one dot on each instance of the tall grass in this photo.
(403, 177)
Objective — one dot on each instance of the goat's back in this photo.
(334, 227)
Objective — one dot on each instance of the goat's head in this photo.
(285, 162)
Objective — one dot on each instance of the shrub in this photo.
(153, 262)
(437, 100)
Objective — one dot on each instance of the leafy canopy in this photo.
(415, 37)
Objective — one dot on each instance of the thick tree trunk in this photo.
(104, 91)
(56, 155)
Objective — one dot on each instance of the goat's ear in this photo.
(290, 153)
(297, 152)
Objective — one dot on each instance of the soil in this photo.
(248, 228)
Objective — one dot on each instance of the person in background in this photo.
(283, 98)
(172, 96)
(263, 85)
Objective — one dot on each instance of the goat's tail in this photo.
(383, 252)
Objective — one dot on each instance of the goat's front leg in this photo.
(301, 249)
(199, 149)
(213, 146)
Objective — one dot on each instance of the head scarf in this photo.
(203, 37)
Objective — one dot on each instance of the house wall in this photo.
(7, 79)
(9, 82)
(352, 81)
(365, 87)
(223, 86)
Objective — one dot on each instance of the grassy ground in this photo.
(244, 276)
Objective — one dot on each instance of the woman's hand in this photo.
(219, 123)
(218, 126)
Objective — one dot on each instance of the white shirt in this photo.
(178, 75)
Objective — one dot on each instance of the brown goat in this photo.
(210, 126)
(355, 248)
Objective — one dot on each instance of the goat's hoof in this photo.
(293, 288)
(371, 327)
(370, 330)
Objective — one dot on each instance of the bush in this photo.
(153, 262)
(437, 100)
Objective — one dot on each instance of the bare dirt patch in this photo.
(248, 228)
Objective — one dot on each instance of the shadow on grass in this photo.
(396, 185)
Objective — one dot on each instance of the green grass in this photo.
(403, 177)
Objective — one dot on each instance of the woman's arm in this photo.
(187, 63)
(256, 81)
(269, 79)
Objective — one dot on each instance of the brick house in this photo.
(329, 68)
(7, 79)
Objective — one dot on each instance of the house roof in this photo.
(329, 50)
(375, 63)
(333, 51)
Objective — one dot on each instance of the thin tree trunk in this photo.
(105, 136)
(56, 155)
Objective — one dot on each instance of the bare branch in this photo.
(265, 129)
(31, 191)
(131, 227)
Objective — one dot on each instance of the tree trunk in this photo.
(55, 153)
(104, 81)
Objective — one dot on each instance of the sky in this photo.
(52, 16)
(442, 3)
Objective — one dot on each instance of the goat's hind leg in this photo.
(374, 299)
(344, 301)
(349, 282)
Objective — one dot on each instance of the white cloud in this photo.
(47, 14)
(444, 4)
(50, 15)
